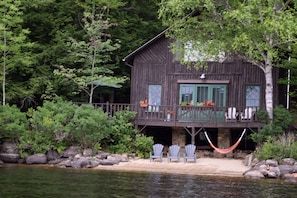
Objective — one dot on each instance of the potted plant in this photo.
(169, 113)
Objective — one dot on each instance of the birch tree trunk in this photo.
(269, 88)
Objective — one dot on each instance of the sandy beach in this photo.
(203, 166)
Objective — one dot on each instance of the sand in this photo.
(203, 166)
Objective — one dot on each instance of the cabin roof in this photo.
(130, 56)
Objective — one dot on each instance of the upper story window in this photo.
(192, 54)
(252, 96)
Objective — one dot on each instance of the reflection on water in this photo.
(31, 181)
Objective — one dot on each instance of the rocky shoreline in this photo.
(74, 157)
(285, 169)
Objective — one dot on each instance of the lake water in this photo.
(34, 181)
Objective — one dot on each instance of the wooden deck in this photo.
(183, 116)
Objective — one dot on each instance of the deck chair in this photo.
(157, 152)
(247, 114)
(173, 153)
(190, 152)
(231, 114)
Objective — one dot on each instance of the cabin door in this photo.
(202, 102)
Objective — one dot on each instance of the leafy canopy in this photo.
(250, 29)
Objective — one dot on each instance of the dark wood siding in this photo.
(156, 65)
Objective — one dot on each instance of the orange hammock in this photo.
(227, 150)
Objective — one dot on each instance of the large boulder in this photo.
(288, 161)
(71, 151)
(285, 169)
(9, 152)
(52, 155)
(81, 163)
(253, 174)
(64, 163)
(36, 159)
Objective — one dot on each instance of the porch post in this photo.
(193, 136)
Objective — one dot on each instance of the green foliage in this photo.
(57, 125)
(52, 117)
(273, 140)
(47, 128)
(93, 53)
(262, 116)
(122, 132)
(246, 29)
(88, 126)
(15, 51)
(13, 123)
(278, 148)
(281, 120)
(143, 145)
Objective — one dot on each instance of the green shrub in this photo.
(122, 132)
(88, 126)
(47, 128)
(13, 123)
(284, 146)
(143, 145)
(281, 121)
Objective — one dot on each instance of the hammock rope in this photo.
(227, 150)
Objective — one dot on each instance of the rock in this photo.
(77, 156)
(36, 159)
(253, 174)
(248, 160)
(52, 155)
(263, 168)
(274, 172)
(9, 152)
(290, 177)
(9, 148)
(94, 163)
(1, 162)
(102, 155)
(88, 152)
(119, 158)
(64, 163)
(9, 158)
(107, 162)
(288, 161)
(270, 162)
(22, 161)
(285, 169)
(55, 161)
(71, 151)
(81, 163)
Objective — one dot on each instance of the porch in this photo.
(185, 116)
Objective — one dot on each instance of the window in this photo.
(194, 52)
(198, 94)
(186, 94)
(252, 96)
(154, 95)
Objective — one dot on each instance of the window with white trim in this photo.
(154, 94)
(252, 96)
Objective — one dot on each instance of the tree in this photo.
(93, 54)
(14, 48)
(253, 30)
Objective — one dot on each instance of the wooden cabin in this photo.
(175, 104)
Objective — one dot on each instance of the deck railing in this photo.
(177, 113)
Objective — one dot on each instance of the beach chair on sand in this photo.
(173, 153)
(157, 152)
(190, 152)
